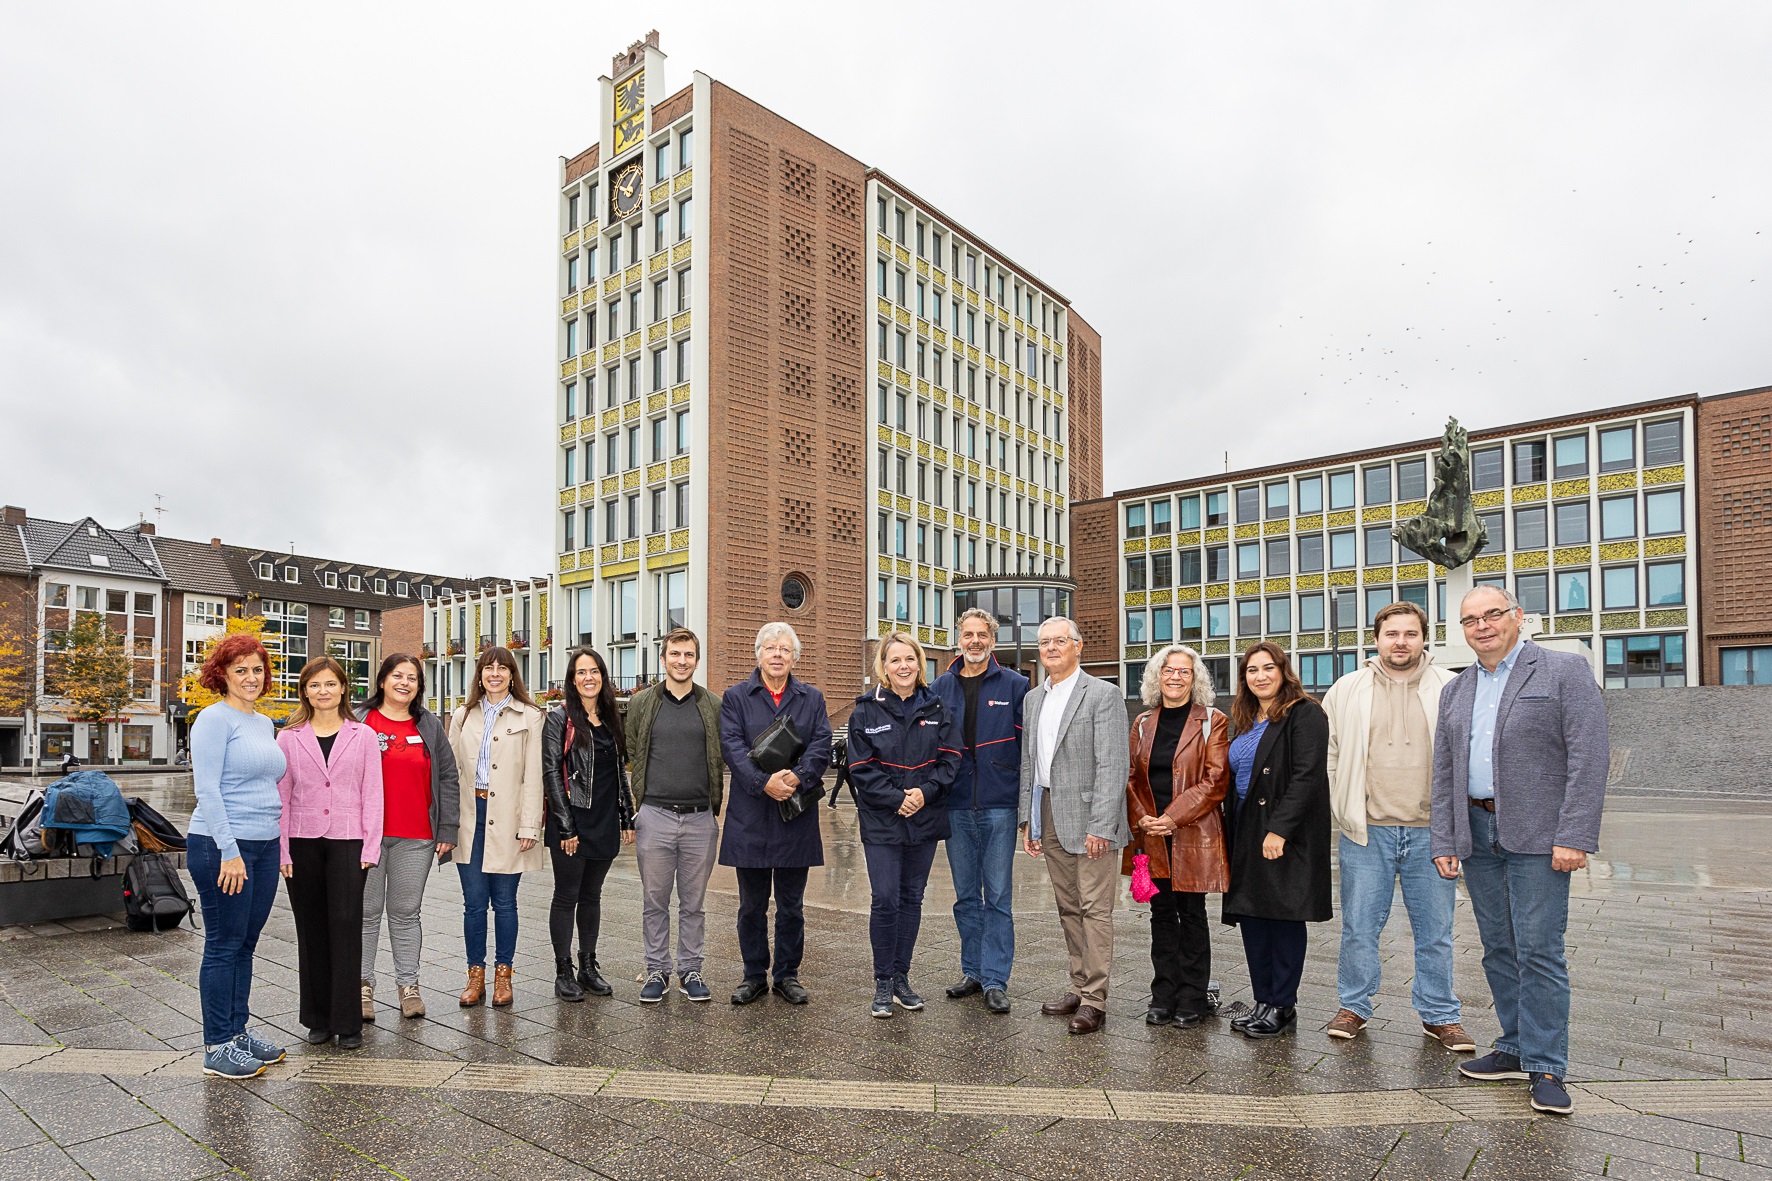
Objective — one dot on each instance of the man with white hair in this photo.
(769, 854)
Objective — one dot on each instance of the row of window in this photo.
(669, 295)
(670, 223)
(935, 245)
(1407, 479)
(664, 514)
(666, 436)
(931, 485)
(93, 598)
(1025, 354)
(896, 597)
(893, 409)
(355, 582)
(665, 162)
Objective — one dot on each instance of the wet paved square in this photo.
(1669, 949)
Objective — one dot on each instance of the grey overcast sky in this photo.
(292, 266)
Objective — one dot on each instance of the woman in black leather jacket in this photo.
(590, 816)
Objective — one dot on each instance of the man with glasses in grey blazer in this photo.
(1075, 757)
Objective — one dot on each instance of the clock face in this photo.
(625, 195)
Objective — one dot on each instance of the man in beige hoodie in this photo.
(1381, 762)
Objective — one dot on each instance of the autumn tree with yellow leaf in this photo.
(193, 694)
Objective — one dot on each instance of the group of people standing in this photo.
(1497, 773)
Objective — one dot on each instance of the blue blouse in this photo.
(1243, 748)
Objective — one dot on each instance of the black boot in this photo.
(565, 987)
(589, 978)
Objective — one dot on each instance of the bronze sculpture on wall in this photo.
(1448, 532)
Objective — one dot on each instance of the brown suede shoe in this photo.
(367, 990)
(1346, 1024)
(1087, 1020)
(411, 1003)
(501, 986)
(1451, 1036)
(1064, 1006)
(475, 992)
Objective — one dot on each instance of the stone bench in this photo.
(57, 888)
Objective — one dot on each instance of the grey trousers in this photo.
(397, 884)
(674, 849)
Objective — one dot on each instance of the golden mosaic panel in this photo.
(1439, 633)
(655, 544)
(1310, 582)
(1664, 547)
(567, 496)
(569, 305)
(1667, 618)
(923, 635)
(1217, 648)
(922, 512)
(1489, 499)
(1618, 551)
(609, 553)
(570, 242)
(680, 251)
(902, 567)
(1535, 559)
(1187, 594)
(1564, 488)
(1218, 590)
(611, 285)
(1244, 645)
(1574, 623)
(612, 351)
(568, 368)
(1411, 508)
(1665, 475)
(1158, 597)
(569, 432)
(633, 274)
(630, 480)
(1249, 586)
(885, 627)
(587, 493)
(630, 412)
(1135, 599)
(610, 484)
(1374, 574)
(631, 344)
(1490, 563)
(683, 181)
(1412, 571)
(1341, 578)
(655, 332)
(903, 255)
(679, 539)
(1378, 512)
(903, 377)
(655, 402)
(1528, 493)
(1310, 524)
(1312, 640)
(972, 353)
(1619, 621)
(1245, 531)
(1618, 481)
(1341, 520)
(1276, 527)
(680, 394)
(658, 262)
(655, 472)
(567, 562)
(660, 192)
(1572, 555)
(883, 243)
(972, 467)
(1137, 651)
(1217, 535)
(612, 417)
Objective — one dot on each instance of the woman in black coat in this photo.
(1277, 822)
(904, 751)
(590, 816)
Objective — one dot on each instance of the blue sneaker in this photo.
(230, 1060)
(882, 1006)
(653, 991)
(904, 994)
(259, 1048)
(691, 985)
(1549, 1094)
(1493, 1067)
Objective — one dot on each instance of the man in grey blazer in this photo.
(1075, 758)
(1520, 761)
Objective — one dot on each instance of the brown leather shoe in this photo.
(1064, 1006)
(1451, 1036)
(475, 992)
(1087, 1020)
(501, 986)
(1346, 1024)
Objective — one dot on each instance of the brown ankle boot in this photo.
(501, 985)
(475, 992)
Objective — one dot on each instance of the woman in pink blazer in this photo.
(331, 834)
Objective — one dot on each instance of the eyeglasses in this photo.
(1177, 673)
(1496, 615)
(1057, 642)
(778, 650)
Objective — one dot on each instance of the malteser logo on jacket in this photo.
(878, 729)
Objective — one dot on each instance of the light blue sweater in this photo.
(236, 763)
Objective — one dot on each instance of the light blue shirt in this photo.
(483, 768)
(235, 766)
(1484, 711)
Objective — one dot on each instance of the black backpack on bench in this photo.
(154, 897)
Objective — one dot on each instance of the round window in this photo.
(793, 592)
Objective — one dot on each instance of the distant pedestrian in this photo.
(497, 732)
(1520, 761)
(903, 752)
(1175, 803)
(1381, 769)
(987, 698)
(678, 781)
(1278, 816)
(332, 829)
(590, 816)
(1073, 812)
(233, 848)
(769, 854)
(421, 811)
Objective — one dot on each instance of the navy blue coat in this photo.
(896, 744)
(990, 774)
(755, 835)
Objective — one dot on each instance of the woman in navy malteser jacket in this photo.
(904, 749)
(772, 855)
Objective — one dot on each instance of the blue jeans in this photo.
(1369, 874)
(1522, 909)
(478, 888)
(981, 856)
(898, 875)
(231, 924)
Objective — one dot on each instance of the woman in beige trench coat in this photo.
(497, 734)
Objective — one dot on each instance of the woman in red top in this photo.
(421, 810)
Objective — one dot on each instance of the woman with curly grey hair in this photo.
(1174, 796)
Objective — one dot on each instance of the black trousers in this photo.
(326, 898)
(1181, 950)
(754, 887)
(1275, 950)
(578, 890)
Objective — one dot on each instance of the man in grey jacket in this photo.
(1520, 761)
(1075, 757)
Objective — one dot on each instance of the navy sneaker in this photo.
(259, 1048)
(882, 1006)
(904, 995)
(691, 985)
(1493, 1067)
(653, 991)
(1549, 1094)
(229, 1060)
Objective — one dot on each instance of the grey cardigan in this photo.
(1090, 764)
(1551, 757)
(445, 781)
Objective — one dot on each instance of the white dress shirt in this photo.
(1058, 696)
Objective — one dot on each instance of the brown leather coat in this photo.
(1194, 860)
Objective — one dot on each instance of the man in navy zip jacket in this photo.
(982, 808)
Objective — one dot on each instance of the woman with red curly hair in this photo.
(233, 848)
